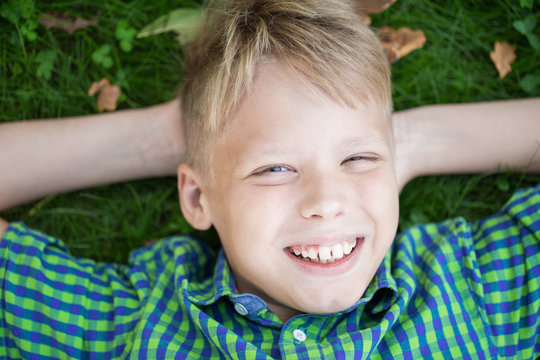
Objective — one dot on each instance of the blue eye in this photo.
(357, 158)
(273, 175)
(361, 160)
(273, 169)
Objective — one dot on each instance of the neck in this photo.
(283, 312)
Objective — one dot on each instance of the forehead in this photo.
(285, 118)
(280, 98)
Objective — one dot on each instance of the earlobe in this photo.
(189, 192)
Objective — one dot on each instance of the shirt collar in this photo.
(381, 292)
(211, 289)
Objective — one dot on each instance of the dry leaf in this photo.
(366, 19)
(398, 43)
(107, 94)
(503, 55)
(65, 21)
(372, 6)
(151, 242)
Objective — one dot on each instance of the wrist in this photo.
(167, 145)
(403, 147)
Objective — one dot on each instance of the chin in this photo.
(330, 305)
(330, 299)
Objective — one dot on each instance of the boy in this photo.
(290, 155)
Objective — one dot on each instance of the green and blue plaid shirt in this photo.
(453, 290)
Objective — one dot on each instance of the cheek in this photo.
(265, 203)
(252, 216)
(381, 199)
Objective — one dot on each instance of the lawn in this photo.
(47, 72)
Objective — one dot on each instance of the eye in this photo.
(360, 163)
(274, 169)
(272, 175)
(356, 158)
(359, 158)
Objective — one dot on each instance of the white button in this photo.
(241, 309)
(299, 335)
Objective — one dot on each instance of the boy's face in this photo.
(302, 173)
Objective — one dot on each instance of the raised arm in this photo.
(467, 138)
(41, 157)
(53, 156)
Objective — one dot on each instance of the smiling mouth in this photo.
(324, 254)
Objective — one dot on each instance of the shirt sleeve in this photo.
(54, 305)
(508, 253)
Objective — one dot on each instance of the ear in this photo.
(189, 190)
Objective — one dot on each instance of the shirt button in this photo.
(241, 309)
(299, 335)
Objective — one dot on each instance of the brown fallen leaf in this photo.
(366, 19)
(372, 6)
(503, 55)
(107, 94)
(398, 43)
(151, 242)
(65, 21)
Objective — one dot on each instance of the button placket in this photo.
(241, 309)
(299, 335)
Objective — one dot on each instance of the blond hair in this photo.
(324, 40)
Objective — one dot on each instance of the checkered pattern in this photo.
(453, 290)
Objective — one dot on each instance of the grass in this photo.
(105, 223)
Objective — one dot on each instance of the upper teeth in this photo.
(325, 254)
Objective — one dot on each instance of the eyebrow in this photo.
(269, 151)
(362, 141)
(353, 141)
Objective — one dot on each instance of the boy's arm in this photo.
(41, 157)
(467, 138)
(51, 156)
(3, 226)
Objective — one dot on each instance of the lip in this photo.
(333, 268)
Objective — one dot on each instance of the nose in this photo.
(322, 198)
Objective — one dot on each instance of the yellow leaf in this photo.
(184, 21)
(503, 55)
